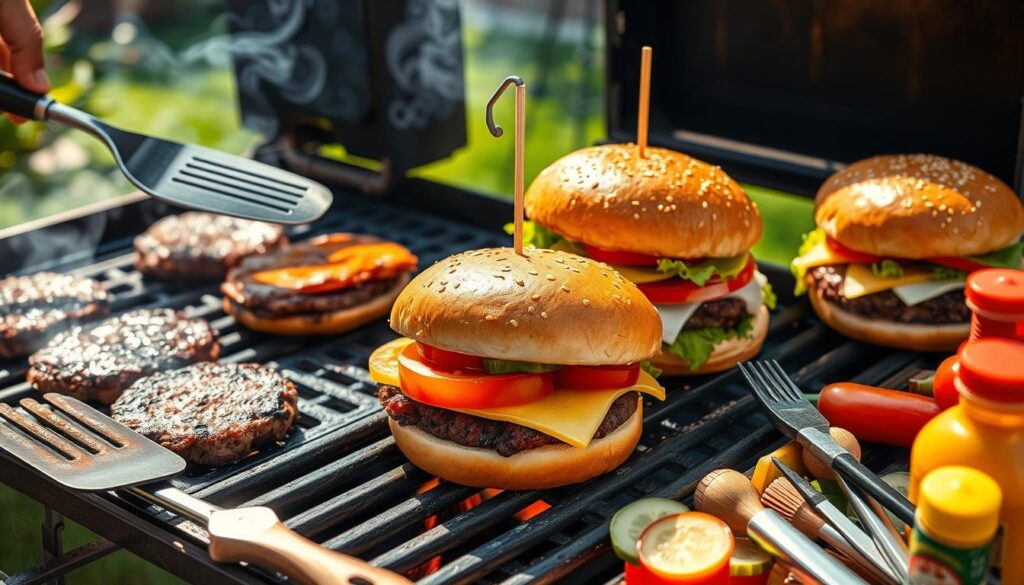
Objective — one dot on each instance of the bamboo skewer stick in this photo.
(520, 149)
(643, 114)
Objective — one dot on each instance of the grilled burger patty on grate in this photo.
(327, 284)
(98, 361)
(33, 308)
(472, 431)
(724, 313)
(202, 246)
(210, 413)
(949, 307)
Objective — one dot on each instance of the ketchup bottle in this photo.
(995, 297)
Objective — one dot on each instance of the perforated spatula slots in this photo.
(83, 449)
(185, 174)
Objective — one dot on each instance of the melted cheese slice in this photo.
(919, 292)
(861, 281)
(819, 255)
(571, 416)
(641, 274)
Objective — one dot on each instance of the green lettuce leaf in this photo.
(947, 273)
(771, 300)
(1008, 257)
(887, 269)
(535, 235)
(651, 370)
(702, 271)
(696, 345)
(811, 240)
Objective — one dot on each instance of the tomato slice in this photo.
(678, 291)
(597, 377)
(620, 257)
(450, 360)
(851, 255)
(960, 263)
(458, 389)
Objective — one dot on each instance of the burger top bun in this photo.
(918, 206)
(546, 307)
(665, 204)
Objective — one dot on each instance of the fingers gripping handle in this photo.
(20, 101)
(256, 536)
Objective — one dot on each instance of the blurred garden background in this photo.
(151, 66)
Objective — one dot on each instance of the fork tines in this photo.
(783, 400)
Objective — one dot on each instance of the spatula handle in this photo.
(852, 471)
(20, 101)
(256, 536)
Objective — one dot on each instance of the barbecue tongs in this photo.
(185, 174)
(82, 449)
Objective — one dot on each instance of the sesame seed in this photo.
(535, 296)
(543, 315)
(489, 318)
(636, 216)
(513, 322)
(457, 284)
(531, 309)
(586, 302)
(704, 204)
(564, 288)
(533, 272)
(441, 289)
(550, 277)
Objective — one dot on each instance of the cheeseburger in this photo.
(518, 372)
(677, 227)
(897, 236)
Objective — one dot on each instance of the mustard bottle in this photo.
(956, 519)
(984, 431)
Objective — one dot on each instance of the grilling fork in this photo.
(799, 420)
(82, 449)
(185, 174)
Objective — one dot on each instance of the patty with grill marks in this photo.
(949, 307)
(33, 308)
(208, 413)
(724, 313)
(98, 361)
(197, 246)
(467, 430)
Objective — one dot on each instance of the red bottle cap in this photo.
(996, 290)
(993, 369)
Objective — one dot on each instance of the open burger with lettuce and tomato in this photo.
(897, 236)
(681, 229)
(518, 372)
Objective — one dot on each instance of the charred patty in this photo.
(467, 430)
(210, 413)
(33, 308)
(724, 313)
(202, 246)
(949, 307)
(98, 361)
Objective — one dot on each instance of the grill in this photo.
(339, 478)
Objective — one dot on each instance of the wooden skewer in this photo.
(520, 142)
(645, 101)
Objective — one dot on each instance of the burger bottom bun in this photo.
(726, 354)
(543, 467)
(914, 336)
(319, 323)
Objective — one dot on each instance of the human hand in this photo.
(21, 47)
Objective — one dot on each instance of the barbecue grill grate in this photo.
(340, 479)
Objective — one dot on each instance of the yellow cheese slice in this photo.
(640, 274)
(861, 281)
(571, 416)
(819, 255)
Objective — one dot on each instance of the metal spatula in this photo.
(83, 449)
(185, 174)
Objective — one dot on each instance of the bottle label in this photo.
(935, 563)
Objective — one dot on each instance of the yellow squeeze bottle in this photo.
(984, 431)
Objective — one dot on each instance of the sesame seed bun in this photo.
(546, 307)
(542, 467)
(666, 204)
(918, 206)
(915, 336)
(725, 355)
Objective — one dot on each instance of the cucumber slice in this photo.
(510, 367)
(899, 481)
(629, 522)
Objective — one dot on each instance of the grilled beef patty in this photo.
(724, 313)
(472, 431)
(34, 308)
(946, 308)
(210, 413)
(263, 300)
(98, 361)
(202, 246)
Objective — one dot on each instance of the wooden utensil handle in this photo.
(256, 536)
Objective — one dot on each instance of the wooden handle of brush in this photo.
(256, 536)
(852, 471)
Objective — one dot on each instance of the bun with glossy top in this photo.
(546, 307)
(918, 206)
(666, 204)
